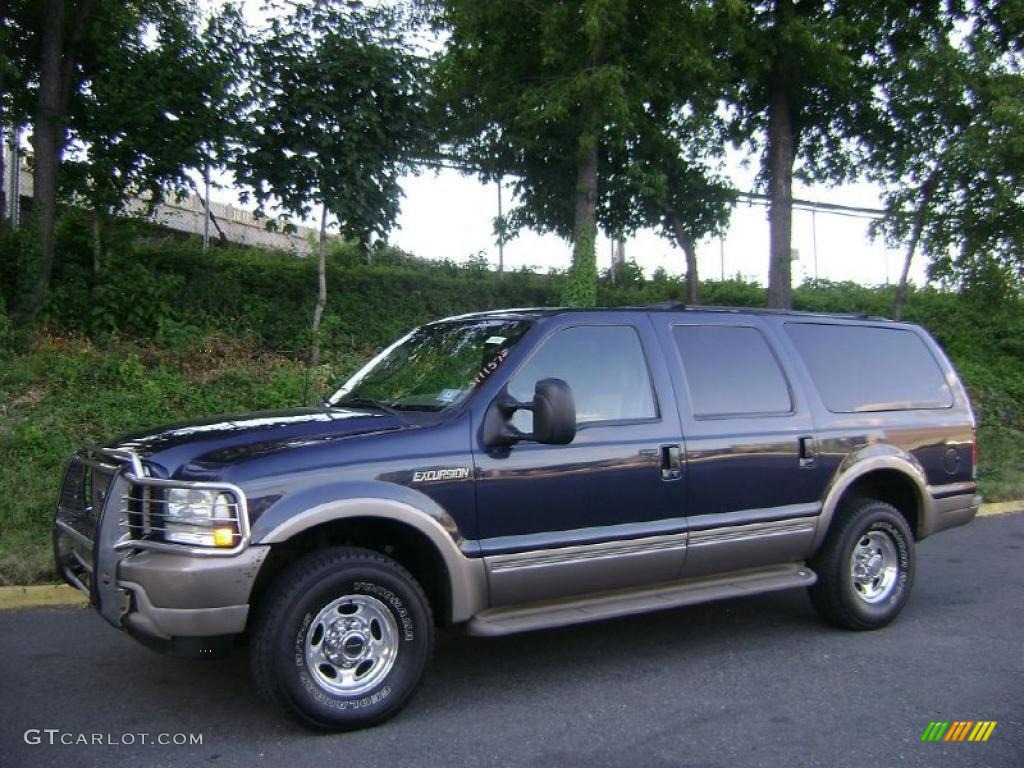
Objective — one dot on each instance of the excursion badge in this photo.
(430, 475)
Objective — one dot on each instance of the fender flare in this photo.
(900, 463)
(467, 579)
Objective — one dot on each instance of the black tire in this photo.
(872, 529)
(351, 588)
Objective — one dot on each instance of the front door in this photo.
(605, 511)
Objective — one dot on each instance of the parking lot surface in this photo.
(751, 682)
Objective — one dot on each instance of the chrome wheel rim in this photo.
(874, 566)
(351, 645)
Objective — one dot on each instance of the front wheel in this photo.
(865, 568)
(342, 639)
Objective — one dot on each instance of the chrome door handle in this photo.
(808, 451)
(671, 462)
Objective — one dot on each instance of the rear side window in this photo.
(866, 368)
(605, 367)
(731, 371)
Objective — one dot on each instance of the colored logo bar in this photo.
(959, 730)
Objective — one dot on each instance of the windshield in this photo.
(434, 367)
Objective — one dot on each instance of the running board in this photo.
(508, 620)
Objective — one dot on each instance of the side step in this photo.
(508, 620)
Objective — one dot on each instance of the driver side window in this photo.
(605, 367)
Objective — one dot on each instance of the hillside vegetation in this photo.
(163, 333)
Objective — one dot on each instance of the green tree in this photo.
(949, 151)
(336, 118)
(808, 76)
(165, 105)
(549, 92)
(667, 181)
(60, 56)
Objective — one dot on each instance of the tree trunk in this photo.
(47, 144)
(685, 242)
(781, 155)
(3, 157)
(58, 61)
(97, 241)
(581, 290)
(321, 296)
(920, 216)
(585, 218)
(618, 259)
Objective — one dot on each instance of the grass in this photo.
(67, 390)
(1001, 459)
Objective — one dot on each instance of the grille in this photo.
(98, 484)
(72, 492)
(83, 494)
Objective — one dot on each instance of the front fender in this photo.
(306, 509)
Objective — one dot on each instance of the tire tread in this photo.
(827, 593)
(279, 597)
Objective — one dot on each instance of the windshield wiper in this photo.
(365, 402)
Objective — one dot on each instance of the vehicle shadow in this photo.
(466, 671)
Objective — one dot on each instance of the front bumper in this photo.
(160, 595)
(180, 596)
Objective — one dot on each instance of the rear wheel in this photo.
(865, 568)
(342, 639)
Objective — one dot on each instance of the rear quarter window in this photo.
(859, 368)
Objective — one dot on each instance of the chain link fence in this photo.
(227, 222)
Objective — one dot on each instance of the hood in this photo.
(201, 445)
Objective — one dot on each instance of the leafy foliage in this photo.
(581, 285)
(99, 76)
(597, 108)
(809, 78)
(949, 151)
(334, 118)
(166, 104)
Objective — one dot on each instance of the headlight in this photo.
(201, 517)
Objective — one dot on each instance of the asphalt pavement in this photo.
(751, 682)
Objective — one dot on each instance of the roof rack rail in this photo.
(669, 304)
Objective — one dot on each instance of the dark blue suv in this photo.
(523, 469)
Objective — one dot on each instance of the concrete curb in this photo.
(1001, 508)
(15, 598)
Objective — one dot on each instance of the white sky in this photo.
(447, 215)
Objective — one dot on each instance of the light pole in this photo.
(206, 206)
(501, 233)
(814, 240)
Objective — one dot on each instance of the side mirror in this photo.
(554, 416)
(554, 412)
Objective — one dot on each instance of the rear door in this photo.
(607, 510)
(753, 476)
